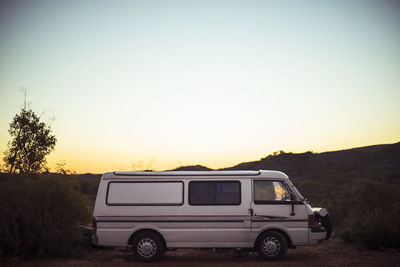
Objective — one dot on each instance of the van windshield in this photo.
(295, 190)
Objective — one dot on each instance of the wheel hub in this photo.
(271, 246)
(146, 247)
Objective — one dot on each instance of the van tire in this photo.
(147, 246)
(271, 245)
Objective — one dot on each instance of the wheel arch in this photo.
(287, 237)
(143, 230)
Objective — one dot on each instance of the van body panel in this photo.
(113, 237)
(278, 217)
(180, 229)
(314, 238)
(296, 231)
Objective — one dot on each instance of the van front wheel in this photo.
(147, 246)
(271, 245)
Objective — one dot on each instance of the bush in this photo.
(374, 218)
(376, 229)
(40, 215)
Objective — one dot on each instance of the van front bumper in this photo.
(317, 229)
(316, 234)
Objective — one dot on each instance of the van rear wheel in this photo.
(271, 245)
(147, 246)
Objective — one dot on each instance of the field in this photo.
(334, 252)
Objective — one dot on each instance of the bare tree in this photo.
(31, 142)
(61, 168)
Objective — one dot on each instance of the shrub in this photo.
(374, 219)
(378, 228)
(40, 215)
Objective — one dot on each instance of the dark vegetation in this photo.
(41, 214)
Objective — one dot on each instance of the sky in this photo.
(129, 85)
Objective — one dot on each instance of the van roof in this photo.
(192, 174)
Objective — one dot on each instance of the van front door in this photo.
(273, 208)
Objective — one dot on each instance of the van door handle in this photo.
(251, 212)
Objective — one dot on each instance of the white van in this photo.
(156, 211)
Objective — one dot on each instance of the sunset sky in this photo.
(157, 84)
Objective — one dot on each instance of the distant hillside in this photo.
(378, 162)
(192, 168)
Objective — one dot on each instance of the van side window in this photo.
(168, 193)
(214, 193)
(267, 191)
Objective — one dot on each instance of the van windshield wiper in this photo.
(305, 199)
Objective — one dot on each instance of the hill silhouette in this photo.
(192, 168)
(378, 162)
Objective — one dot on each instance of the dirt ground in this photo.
(329, 253)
